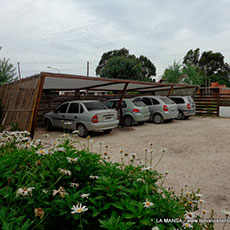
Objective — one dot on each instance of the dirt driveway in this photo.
(198, 154)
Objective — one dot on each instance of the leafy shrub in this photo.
(64, 188)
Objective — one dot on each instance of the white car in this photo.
(82, 115)
(161, 108)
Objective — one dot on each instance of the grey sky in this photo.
(65, 34)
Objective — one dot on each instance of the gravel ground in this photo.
(197, 155)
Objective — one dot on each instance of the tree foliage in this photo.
(7, 71)
(179, 73)
(125, 66)
(122, 68)
(210, 64)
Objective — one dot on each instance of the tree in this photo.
(173, 73)
(211, 65)
(7, 71)
(122, 68)
(147, 67)
(184, 74)
(192, 57)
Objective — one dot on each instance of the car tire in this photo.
(157, 118)
(128, 121)
(82, 130)
(107, 131)
(48, 124)
(180, 115)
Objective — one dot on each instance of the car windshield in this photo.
(167, 101)
(139, 102)
(94, 105)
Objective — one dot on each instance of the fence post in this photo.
(218, 105)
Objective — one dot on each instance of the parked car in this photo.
(133, 110)
(85, 116)
(161, 108)
(186, 106)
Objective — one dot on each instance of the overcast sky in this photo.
(65, 34)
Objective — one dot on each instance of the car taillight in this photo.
(188, 106)
(94, 119)
(165, 107)
(136, 110)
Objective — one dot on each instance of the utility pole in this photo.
(19, 72)
(87, 68)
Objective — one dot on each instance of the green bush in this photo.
(64, 188)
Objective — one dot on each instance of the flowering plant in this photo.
(76, 189)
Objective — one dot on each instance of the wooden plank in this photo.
(37, 99)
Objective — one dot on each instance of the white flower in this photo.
(71, 160)
(201, 201)
(141, 180)
(198, 195)
(85, 195)
(59, 149)
(155, 228)
(190, 215)
(78, 209)
(46, 135)
(146, 169)
(42, 152)
(74, 185)
(45, 191)
(61, 192)
(25, 191)
(65, 172)
(147, 204)
(187, 193)
(226, 213)
(187, 225)
(93, 177)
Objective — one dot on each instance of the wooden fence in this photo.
(18, 102)
(209, 105)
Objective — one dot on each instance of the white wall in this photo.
(224, 111)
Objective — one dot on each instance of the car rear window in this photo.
(177, 100)
(94, 106)
(190, 100)
(167, 101)
(139, 103)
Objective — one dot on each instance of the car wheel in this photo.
(82, 130)
(108, 131)
(49, 125)
(128, 121)
(158, 119)
(186, 118)
(180, 115)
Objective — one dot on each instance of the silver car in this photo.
(133, 110)
(161, 108)
(83, 116)
(186, 106)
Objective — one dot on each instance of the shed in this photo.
(21, 99)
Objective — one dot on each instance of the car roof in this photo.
(124, 99)
(179, 96)
(83, 101)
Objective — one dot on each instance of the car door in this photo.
(74, 114)
(60, 115)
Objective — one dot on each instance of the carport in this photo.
(21, 99)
